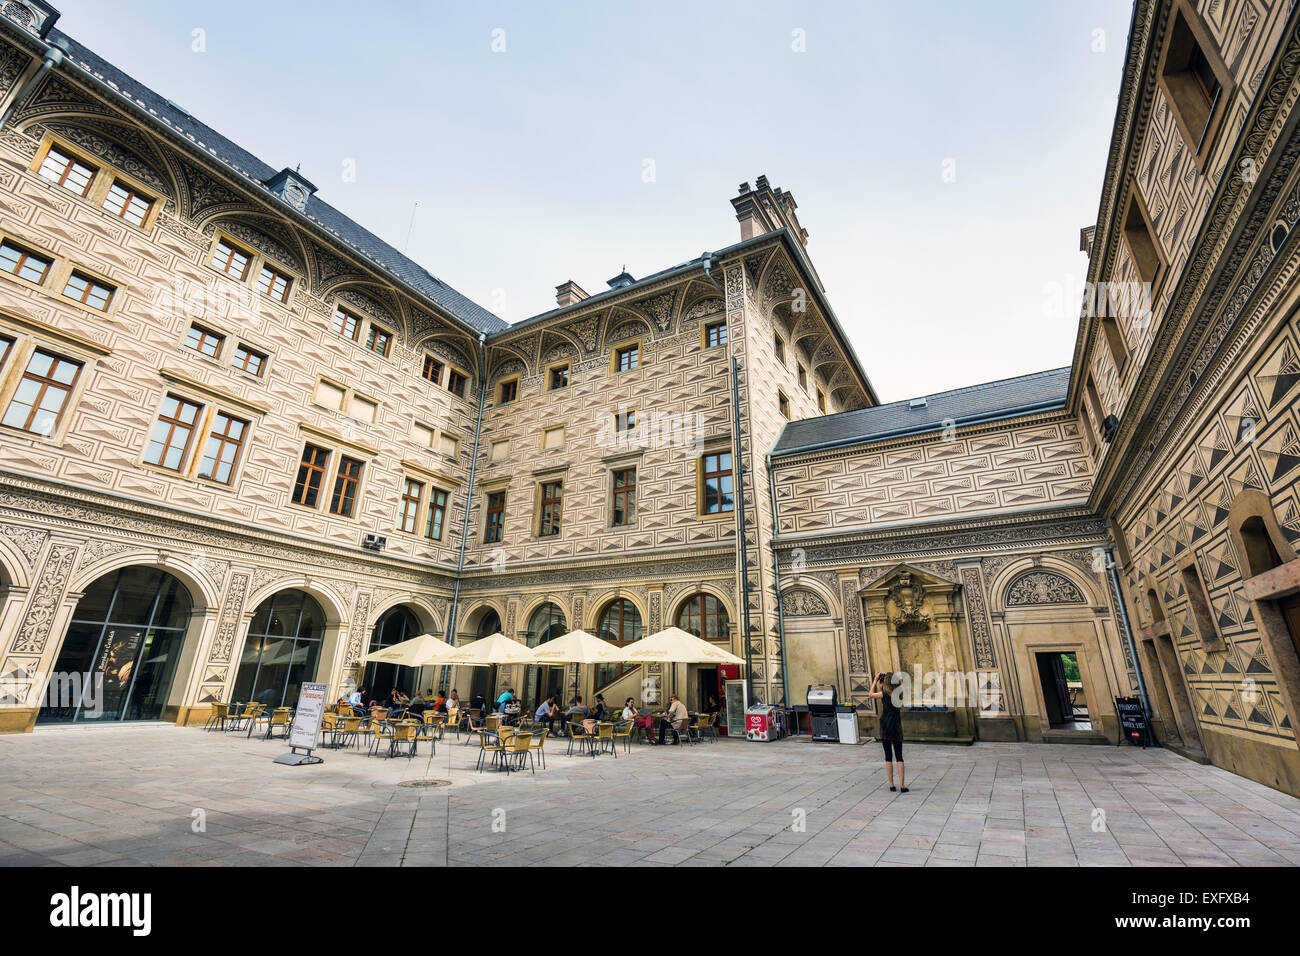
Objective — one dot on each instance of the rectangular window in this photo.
(204, 341)
(221, 454)
(125, 203)
(23, 263)
(347, 325)
(249, 360)
(1198, 606)
(346, 482)
(1192, 75)
(274, 284)
(231, 260)
(627, 358)
(715, 334)
(62, 170)
(553, 437)
(495, 522)
(716, 479)
(552, 501)
(437, 513)
(311, 474)
(778, 344)
(625, 421)
(821, 401)
(1142, 243)
(170, 441)
(783, 404)
(803, 378)
(456, 382)
(88, 291)
(559, 377)
(422, 434)
(39, 401)
(412, 493)
(379, 341)
(432, 369)
(624, 504)
(6, 344)
(508, 391)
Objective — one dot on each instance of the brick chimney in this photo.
(569, 293)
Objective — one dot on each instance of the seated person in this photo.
(629, 710)
(675, 720)
(598, 708)
(577, 713)
(510, 711)
(547, 713)
(417, 705)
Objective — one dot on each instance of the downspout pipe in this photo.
(776, 574)
(53, 57)
(1111, 566)
(740, 513)
(469, 491)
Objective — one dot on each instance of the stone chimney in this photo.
(569, 293)
(763, 209)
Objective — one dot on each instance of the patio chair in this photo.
(623, 732)
(708, 726)
(427, 731)
(605, 738)
(475, 725)
(381, 735)
(281, 717)
(403, 734)
(580, 738)
(217, 719)
(245, 717)
(492, 722)
(535, 745)
(489, 744)
(518, 750)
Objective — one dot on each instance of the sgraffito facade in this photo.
(243, 442)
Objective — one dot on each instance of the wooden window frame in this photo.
(132, 193)
(803, 379)
(306, 469)
(454, 373)
(550, 373)
(101, 183)
(783, 405)
(724, 623)
(75, 158)
(345, 485)
(234, 247)
(70, 390)
(373, 331)
(249, 352)
(628, 492)
(25, 254)
(625, 421)
(616, 351)
(706, 334)
(436, 364)
(340, 328)
(276, 274)
(490, 510)
(552, 506)
(174, 422)
(409, 506)
(437, 506)
(205, 334)
(778, 348)
(223, 440)
(501, 391)
(624, 620)
(702, 479)
(821, 401)
(92, 282)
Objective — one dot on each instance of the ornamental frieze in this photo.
(977, 617)
(1043, 587)
(801, 603)
(27, 540)
(35, 629)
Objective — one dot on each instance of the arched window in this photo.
(545, 624)
(489, 624)
(128, 629)
(397, 625)
(705, 616)
(620, 623)
(282, 650)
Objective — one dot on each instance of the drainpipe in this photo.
(740, 509)
(776, 574)
(1128, 637)
(469, 494)
(53, 57)
(706, 260)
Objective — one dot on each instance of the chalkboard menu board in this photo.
(736, 704)
(1133, 725)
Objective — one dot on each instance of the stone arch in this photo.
(1089, 590)
(826, 593)
(205, 597)
(115, 144)
(471, 618)
(335, 608)
(535, 602)
(712, 590)
(596, 607)
(1256, 535)
(14, 571)
(266, 236)
(425, 611)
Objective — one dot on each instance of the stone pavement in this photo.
(134, 795)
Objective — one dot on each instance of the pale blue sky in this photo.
(527, 164)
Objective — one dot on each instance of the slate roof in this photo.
(1023, 394)
(405, 270)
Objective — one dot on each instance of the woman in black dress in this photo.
(891, 726)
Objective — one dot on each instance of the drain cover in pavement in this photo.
(425, 783)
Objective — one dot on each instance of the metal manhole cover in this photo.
(425, 783)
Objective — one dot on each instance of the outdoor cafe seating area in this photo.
(504, 742)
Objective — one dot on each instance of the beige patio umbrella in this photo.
(577, 647)
(675, 646)
(417, 652)
(493, 649)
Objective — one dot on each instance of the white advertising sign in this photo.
(306, 719)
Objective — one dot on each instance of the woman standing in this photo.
(891, 726)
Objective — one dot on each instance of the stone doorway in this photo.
(1066, 704)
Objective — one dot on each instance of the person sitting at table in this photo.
(598, 708)
(547, 713)
(577, 712)
(356, 700)
(439, 702)
(629, 710)
(675, 720)
(417, 705)
(453, 701)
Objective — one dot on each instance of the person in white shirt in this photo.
(629, 711)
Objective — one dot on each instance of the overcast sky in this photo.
(944, 155)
